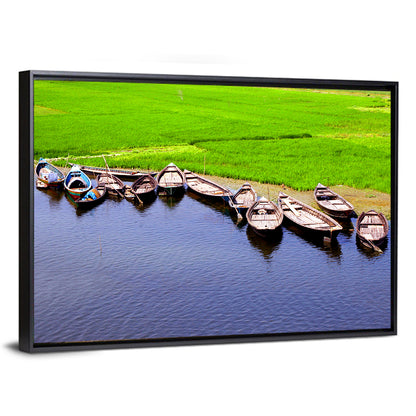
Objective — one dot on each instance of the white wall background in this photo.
(371, 40)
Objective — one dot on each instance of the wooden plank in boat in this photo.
(289, 205)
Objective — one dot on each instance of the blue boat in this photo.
(48, 174)
(77, 183)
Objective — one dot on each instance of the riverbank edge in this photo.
(361, 199)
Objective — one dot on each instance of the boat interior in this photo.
(144, 186)
(171, 178)
(304, 216)
(372, 227)
(245, 196)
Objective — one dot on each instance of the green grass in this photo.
(291, 136)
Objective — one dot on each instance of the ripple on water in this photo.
(178, 268)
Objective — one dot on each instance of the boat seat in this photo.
(293, 206)
(367, 236)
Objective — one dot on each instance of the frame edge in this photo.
(25, 212)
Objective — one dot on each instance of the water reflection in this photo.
(176, 267)
(331, 248)
(147, 203)
(265, 246)
(54, 194)
(369, 252)
(172, 201)
(219, 206)
(347, 227)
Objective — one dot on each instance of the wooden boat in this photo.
(171, 180)
(372, 229)
(92, 198)
(243, 199)
(265, 217)
(332, 203)
(126, 174)
(113, 184)
(76, 183)
(205, 187)
(143, 188)
(308, 218)
(48, 174)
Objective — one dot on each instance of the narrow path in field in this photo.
(162, 149)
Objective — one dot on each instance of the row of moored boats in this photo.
(263, 215)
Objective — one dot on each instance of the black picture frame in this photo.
(26, 198)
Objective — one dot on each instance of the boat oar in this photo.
(231, 203)
(137, 196)
(112, 177)
(372, 245)
(118, 192)
(289, 205)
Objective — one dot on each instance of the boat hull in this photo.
(90, 203)
(270, 233)
(57, 184)
(307, 218)
(43, 164)
(379, 225)
(312, 231)
(213, 198)
(331, 203)
(74, 195)
(171, 181)
(72, 184)
(115, 187)
(380, 242)
(145, 196)
(171, 190)
(206, 188)
(119, 173)
(241, 203)
(343, 215)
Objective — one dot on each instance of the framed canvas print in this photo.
(175, 210)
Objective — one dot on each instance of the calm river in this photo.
(184, 267)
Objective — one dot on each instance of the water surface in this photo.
(184, 267)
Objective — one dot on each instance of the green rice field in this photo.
(296, 137)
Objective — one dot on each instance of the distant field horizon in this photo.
(297, 137)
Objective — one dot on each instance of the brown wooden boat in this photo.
(144, 187)
(126, 174)
(243, 199)
(92, 198)
(308, 218)
(265, 217)
(171, 180)
(205, 187)
(332, 203)
(372, 228)
(113, 184)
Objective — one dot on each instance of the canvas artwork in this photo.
(174, 211)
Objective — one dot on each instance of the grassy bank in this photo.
(295, 137)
